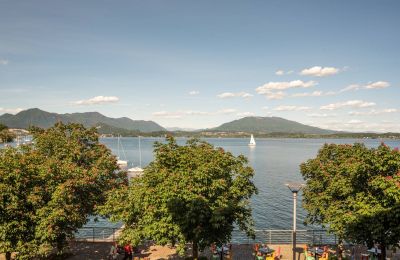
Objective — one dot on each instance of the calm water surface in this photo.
(275, 161)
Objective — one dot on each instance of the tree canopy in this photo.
(48, 189)
(3, 127)
(192, 193)
(355, 192)
(5, 135)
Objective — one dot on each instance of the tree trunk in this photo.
(383, 252)
(195, 250)
(339, 250)
(8, 255)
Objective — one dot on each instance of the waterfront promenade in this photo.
(100, 250)
(88, 250)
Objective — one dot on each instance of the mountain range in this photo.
(127, 126)
(45, 119)
(269, 125)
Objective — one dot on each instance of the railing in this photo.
(97, 234)
(314, 237)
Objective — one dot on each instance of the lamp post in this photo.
(294, 188)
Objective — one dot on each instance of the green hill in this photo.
(45, 119)
(269, 125)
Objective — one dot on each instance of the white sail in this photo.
(136, 171)
(121, 163)
(252, 141)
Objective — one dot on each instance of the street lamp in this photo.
(294, 188)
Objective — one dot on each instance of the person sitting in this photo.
(277, 254)
(128, 252)
(213, 248)
(113, 251)
(214, 252)
(307, 253)
(325, 254)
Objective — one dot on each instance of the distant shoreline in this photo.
(391, 136)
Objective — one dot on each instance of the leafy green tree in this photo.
(3, 127)
(355, 192)
(5, 135)
(192, 193)
(48, 189)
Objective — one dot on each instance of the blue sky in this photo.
(198, 64)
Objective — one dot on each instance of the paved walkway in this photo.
(98, 251)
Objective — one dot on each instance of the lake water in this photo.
(275, 161)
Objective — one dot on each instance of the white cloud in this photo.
(194, 92)
(373, 112)
(282, 72)
(273, 90)
(389, 110)
(308, 94)
(350, 103)
(291, 108)
(3, 62)
(265, 108)
(370, 85)
(196, 113)
(318, 115)
(10, 110)
(165, 114)
(377, 85)
(318, 71)
(97, 100)
(226, 111)
(350, 87)
(231, 95)
(355, 121)
(281, 85)
(244, 114)
(181, 114)
(275, 95)
(355, 125)
(314, 94)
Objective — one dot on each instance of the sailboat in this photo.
(136, 171)
(252, 141)
(121, 163)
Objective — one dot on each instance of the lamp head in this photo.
(294, 187)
